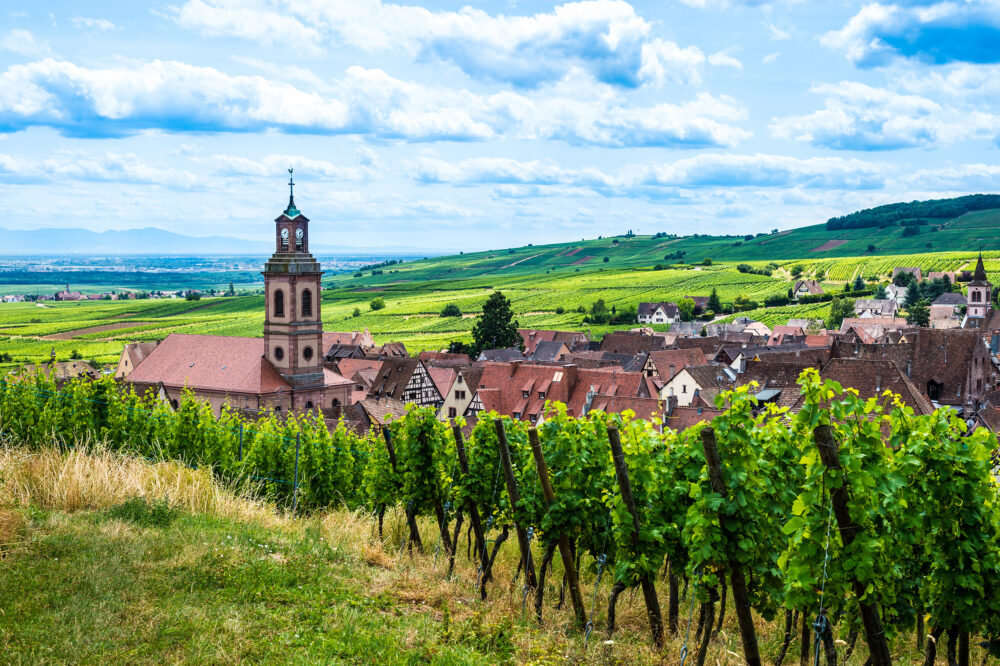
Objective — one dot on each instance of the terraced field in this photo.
(416, 292)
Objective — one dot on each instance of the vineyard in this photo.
(856, 525)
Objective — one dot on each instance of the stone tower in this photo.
(293, 329)
(980, 293)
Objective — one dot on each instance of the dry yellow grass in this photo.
(96, 478)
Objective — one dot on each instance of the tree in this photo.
(707, 261)
(75, 355)
(377, 303)
(599, 312)
(232, 289)
(193, 296)
(459, 347)
(496, 328)
(880, 291)
(357, 312)
(797, 270)
(714, 304)
(839, 308)
(607, 259)
(451, 310)
(871, 248)
(859, 283)
(918, 314)
(912, 295)
(686, 306)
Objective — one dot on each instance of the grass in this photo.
(112, 559)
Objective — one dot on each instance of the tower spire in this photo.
(291, 211)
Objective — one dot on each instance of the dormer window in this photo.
(541, 395)
(525, 394)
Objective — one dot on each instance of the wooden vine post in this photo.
(625, 486)
(411, 520)
(474, 518)
(829, 453)
(515, 497)
(738, 581)
(569, 566)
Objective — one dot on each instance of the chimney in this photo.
(514, 365)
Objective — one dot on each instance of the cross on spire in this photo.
(291, 211)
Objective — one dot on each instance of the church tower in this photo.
(980, 293)
(293, 329)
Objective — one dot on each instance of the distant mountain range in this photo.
(153, 241)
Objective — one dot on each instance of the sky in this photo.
(477, 125)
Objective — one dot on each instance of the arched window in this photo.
(307, 353)
(307, 303)
(309, 404)
(335, 403)
(279, 303)
(173, 403)
(279, 353)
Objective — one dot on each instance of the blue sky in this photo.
(448, 125)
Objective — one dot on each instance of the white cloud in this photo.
(935, 32)
(175, 96)
(269, 165)
(606, 38)
(101, 167)
(776, 33)
(249, 20)
(710, 170)
(770, 57)
(860, 117)
(723, 59)
(24, 43)
(100, 24)
(957, 178)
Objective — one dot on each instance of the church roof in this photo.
(979, 277)
(212, 363)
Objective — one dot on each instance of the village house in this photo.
(912, 270)
(806, 288)
(948, 305)
(658, 313)
(459, 397)
(700, 304)
(407, 380)
(574, 340)
(874, 307)
(132, 355)
(896, 294)
(284, 370)
(704, 381)
(668, 362)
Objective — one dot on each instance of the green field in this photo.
(538, 280)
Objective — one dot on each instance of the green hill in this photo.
(968, 232)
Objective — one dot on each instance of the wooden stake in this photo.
(829, 453)
(411, 519)
(741, 598)
(515, 497)
(477, 526)
(564, 551)
(625, 486)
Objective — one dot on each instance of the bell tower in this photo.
(293, 328)
(980, 293)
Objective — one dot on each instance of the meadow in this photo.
(546, 287)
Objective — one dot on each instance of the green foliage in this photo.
(138, 510)
(714, 304)
(890, 214)
(451, 310)
(686, 307)
(377, 303)
(496, 328)
(918, 314)
(839, 309)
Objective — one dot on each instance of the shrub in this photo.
(377, 303)
(357, 312)
(707, 261)
(607, 259)
(451, 310)
(359, 274)
(560, 309)
(75, 355)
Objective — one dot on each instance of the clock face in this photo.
(298, 234)
(284, 234)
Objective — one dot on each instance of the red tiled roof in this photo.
(682, 418)
(678, 358)
(348, 367)
(210, 362)
(443, 378)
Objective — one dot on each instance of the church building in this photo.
(284, 370)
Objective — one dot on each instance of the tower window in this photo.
(307, 353)
(279, 303)
(307, 303)
(279, 353)
(299, 240)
